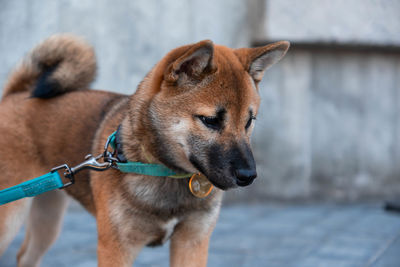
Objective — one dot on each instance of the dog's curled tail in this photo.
(59, 64)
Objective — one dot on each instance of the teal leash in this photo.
(31, 188)
(52, 180)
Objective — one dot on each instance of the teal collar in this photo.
(150, 169)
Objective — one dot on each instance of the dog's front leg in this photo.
(113, 247)
(189, 242)
(189, 253)
(111, 251)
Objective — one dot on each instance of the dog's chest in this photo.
(138, 225)
(166, 230)
(163, 196)
(169, 227)
(150, 209)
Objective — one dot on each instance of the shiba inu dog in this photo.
(194, 113)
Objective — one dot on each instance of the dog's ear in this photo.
(194, 64)
(257, 60)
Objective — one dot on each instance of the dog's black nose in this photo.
(245, 177)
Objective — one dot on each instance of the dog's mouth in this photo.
(222, 186)
(244, 182)
(227, 183)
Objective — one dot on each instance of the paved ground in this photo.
(258, 235)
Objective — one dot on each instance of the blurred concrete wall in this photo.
(329, 124)
(339, 21)
(129, 36)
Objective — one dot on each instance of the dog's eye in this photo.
(249, 122)
(211, 122)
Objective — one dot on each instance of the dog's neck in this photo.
(119, 148)
(134, 143)
(134, 132)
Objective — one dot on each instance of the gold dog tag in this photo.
(200, 186)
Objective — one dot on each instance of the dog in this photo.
(193, 112)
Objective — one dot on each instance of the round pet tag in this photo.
(199, 185)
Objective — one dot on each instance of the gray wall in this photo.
(329, 124)
(129, 36)
(339, 21)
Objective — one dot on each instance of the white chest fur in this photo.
(169, 227)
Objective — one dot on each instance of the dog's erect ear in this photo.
(257, 60)
(194, 64)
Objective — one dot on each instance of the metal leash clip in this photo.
(67, 174)
(108, 155)
(90, 162)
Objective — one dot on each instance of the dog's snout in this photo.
(245, 177)
(243, 166)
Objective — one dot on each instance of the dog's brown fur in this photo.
(49, 118)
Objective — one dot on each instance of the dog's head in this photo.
(201, 115)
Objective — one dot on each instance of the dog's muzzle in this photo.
(245, 177)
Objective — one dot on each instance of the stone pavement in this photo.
(258, 235)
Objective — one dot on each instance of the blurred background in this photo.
(329, 124)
